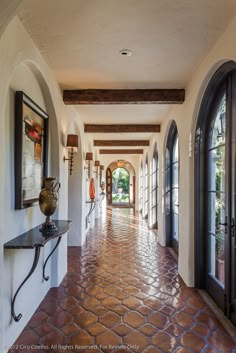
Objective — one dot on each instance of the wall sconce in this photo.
(88, 158)
(96, 165)
(71, 144)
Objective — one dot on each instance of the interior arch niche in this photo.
(120, 184)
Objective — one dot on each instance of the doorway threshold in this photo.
(225, 322)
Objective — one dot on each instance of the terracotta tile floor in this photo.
(122, 294)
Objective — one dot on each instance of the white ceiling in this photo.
(81, 40)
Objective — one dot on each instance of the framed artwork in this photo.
(31, 150)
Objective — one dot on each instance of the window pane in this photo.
(167, 177)
(175, 200)
(216, 202)
(167, 157)
(167, 202)
(175, 178)
(217, 257)
(217, 169)
(217, 133)
(176, 149)
(175, 224)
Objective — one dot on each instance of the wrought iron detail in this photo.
(92, 207)
(35, 262)
(46, 278)
(103, 194)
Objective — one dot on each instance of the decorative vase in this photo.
(48, 201)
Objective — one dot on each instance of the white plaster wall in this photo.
(23, 68)
(77, 186)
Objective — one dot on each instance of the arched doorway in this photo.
(172, 188)
(146, 189)
(120, 186)
(215, 190)
(141, 189)
(154, 204)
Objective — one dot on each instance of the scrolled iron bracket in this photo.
(103, 194)
(34, 265)
(46, 278)
(92, 207)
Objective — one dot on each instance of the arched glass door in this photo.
(146, 177)
(215, 189)
(141, 189)
(172, 188)
(154, 206)
(175, 192)
(216, 192)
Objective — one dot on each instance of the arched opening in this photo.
(215, 190)
(172, 188)
(141, 188)
(120, 186)
(146, 189)
(154, 194)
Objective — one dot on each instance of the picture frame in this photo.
(31, 150)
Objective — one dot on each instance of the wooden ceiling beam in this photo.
(108, 143)
(134, 151)
(117, 128)
(124, 96)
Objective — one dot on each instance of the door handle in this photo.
(223, 224)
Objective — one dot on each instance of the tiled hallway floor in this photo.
(122, 294)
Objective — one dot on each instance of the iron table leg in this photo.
(35, 262)
(45, 263)
(92, 206)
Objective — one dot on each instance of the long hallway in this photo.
(122, 293)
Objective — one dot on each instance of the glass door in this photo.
(216, 199)
(215, 190)
(175, 194)
(172, 188)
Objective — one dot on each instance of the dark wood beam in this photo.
(107, 143)
(137, 151)
(117, 128)
(124, 96)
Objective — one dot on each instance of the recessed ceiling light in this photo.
(125, 52)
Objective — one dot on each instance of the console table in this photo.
(34, 239)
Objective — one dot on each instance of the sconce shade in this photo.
(101, 167)
(97, 164)
(72, 141)
(89, 156)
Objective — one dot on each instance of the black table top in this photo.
(34, 237)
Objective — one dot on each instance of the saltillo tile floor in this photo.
(122, 293)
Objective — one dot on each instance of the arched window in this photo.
(141, 188)
(146, 176)
(215, 190)
(154, 204)
(172, 188)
